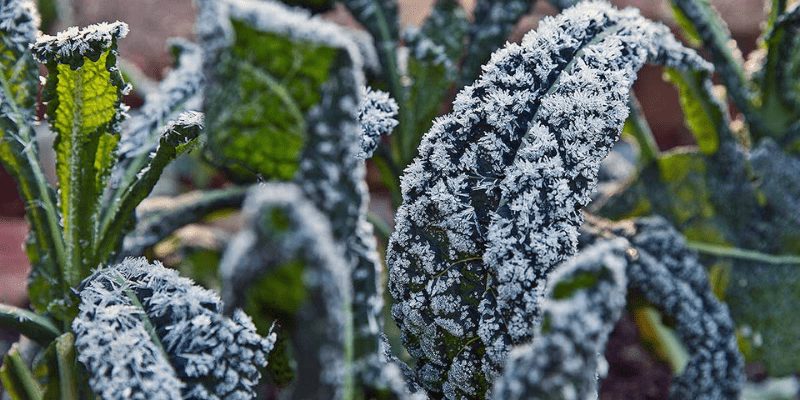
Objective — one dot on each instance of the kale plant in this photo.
(500, 284)
(104, 168)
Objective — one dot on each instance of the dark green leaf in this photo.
(118, 218)
(36, 327)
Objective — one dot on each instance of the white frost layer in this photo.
(75, 42)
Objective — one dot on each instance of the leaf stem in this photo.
(743, 254)
(65, 355)
(641, 132)
(18, 379)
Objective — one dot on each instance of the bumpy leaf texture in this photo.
(284, 229)
(144, 332)
(670, 277)
(582, 305)
(83, 94)
(492, 202)
(377, 114)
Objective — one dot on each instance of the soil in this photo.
(633, 372)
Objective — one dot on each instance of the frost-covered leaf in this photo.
(320, 148)
(714, 199)
(19, 152)
(142, 131)
(285, 266)
(380, 17)
(669, 276)
(313, 5)
(144, 332)
(377, 114)
(266, 65)
(83, 93)
(491, 203)
(581, 307)
(763, 297)
(177, 137)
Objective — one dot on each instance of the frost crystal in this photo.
(377, 114)
(670, 277)
(71, 45)
(563, 359)
(492, 203)
(283, 226)
(143, 332)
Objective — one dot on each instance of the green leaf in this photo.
(259, 94)
(705, 115)
(36, 327)
(145, 128)
(286, 266)
(17, 378)
(779, 76)
(177, 136)
(64, 374)
(19, 152)
(704, 23)
(83, 91)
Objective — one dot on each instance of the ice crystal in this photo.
(562, 361)
(492, 203)
(377, 114)
(143, 332)
(283, 226)
(71, 45)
